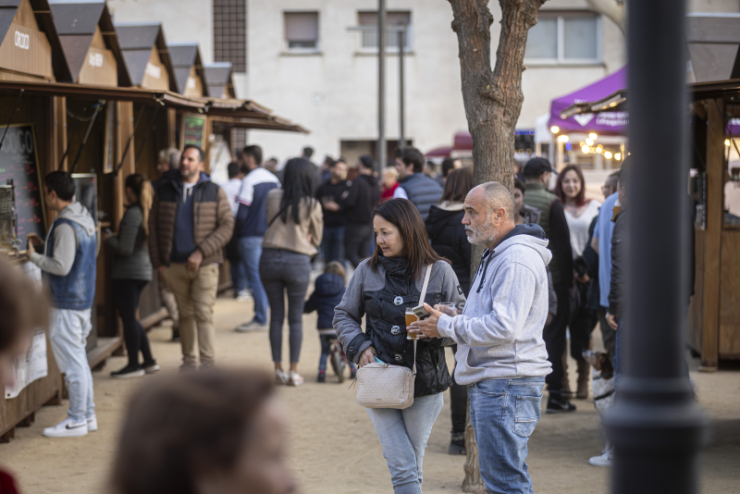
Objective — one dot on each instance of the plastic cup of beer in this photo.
(411, 317)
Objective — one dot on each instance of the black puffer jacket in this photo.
(449, 240)
(617, 286)
(382, 296)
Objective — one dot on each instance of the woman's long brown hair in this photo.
(403, 214)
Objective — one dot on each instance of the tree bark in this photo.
(493, 101)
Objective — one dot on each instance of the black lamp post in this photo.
(656, 427)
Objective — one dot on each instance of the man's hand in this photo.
(428, 327)
(31, 240)
(331, 206)
(160, 270)
(194, 260)
(583, 279)
(611, 320)
(549, 319)
(367, 357)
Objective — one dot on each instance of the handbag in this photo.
(389, 386)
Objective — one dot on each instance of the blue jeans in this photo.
(404, 435)
(238, 276)
(250, 250)
(504, 413)
(332, 244)
(68, 331)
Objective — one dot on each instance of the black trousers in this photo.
(555, 339)
(582, 323)
(458, 403)
(126, 297)
(356, 241)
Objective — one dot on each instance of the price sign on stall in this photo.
(18, 161)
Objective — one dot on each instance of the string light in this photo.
(608, 155)
(590, 141)
(554, 129)
(585, 149)
(593, 136)
(618, 156)
(599, 149)
(727, 142)
(563, 138)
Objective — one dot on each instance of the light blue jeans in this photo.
(504, 413)
(68, 330)
(250, 250)
(404, 435)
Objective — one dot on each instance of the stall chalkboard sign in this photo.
(18, 161)
(193, 129)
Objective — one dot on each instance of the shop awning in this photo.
(602, 122)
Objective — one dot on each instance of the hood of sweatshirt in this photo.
(440, 218)
(186, 191)
(79, 214)
(528, 234)
(329, 284)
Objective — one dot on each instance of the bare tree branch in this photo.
(616, 10)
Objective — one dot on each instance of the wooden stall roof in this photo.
(77, 22)
(42, 13)
(186, 62)
(137, 41)
(220, 82)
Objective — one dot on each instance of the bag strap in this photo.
(421, 302)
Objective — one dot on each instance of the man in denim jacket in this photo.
(68, 263)
(501, 355)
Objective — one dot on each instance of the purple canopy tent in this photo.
(601, 123)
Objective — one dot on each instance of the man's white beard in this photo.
(476, 238)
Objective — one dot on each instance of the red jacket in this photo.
(388, 193)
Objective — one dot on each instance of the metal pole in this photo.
(381, 151)
(656, 427)
(401, 103)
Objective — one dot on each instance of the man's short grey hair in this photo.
(497, 195)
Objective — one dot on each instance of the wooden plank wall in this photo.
(729, 306)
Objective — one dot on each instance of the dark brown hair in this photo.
(458, 184)
(581, 197)
(403, 214)
(335, 267)
(180, 427)
(23, 305)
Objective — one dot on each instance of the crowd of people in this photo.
(551, 266)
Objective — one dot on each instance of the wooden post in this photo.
(124, 129)
(171, 140)
(713, 236)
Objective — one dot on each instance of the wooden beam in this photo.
(713, 239)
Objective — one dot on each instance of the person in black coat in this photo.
(449, 240)
(328, 292)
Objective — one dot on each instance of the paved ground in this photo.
(333, 446)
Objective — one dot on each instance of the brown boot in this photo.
(584, 375)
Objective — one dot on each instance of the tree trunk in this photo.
(493, 100)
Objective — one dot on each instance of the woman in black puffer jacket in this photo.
(382, 288)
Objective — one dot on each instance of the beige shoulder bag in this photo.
(389, 386)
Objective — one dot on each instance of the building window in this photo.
(302, 31)
(565, 38)
(369, 29)
(230, 33)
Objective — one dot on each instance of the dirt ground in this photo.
(334, 448)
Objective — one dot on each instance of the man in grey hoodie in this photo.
(501, 355)
(69, 265)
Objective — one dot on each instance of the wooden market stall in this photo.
(220, 81)
(189, 72)
(29, 51)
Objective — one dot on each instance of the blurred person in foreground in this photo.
(69, 265)
(359, 205)
(449, 239)
(415, 186)
(189, 225)
(211, 432)
(237, 271)
(250, 226)
(24, 310)
(295, 225)
(132, 271)
(538, 173)
(167, 168)
(500, 349)
(580, 213)
(389, 182)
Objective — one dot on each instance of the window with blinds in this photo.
(369, 28)
(301, 31)
(565, 38)
(230, 33)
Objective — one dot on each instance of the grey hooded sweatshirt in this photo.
(65, 241)
(499, 334)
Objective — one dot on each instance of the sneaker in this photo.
(67, 428)
(151, 367)
(322, 376)
(603, 460)
(295, 379)
(128, 372)
(92, 424)
(280, 377)
(559, 405)
(175, 334)
(243, 296)
(457, 444)
(249, 327)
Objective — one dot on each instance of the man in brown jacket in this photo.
(190, 223)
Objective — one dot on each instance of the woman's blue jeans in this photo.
(504, 413)
(404, 435)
